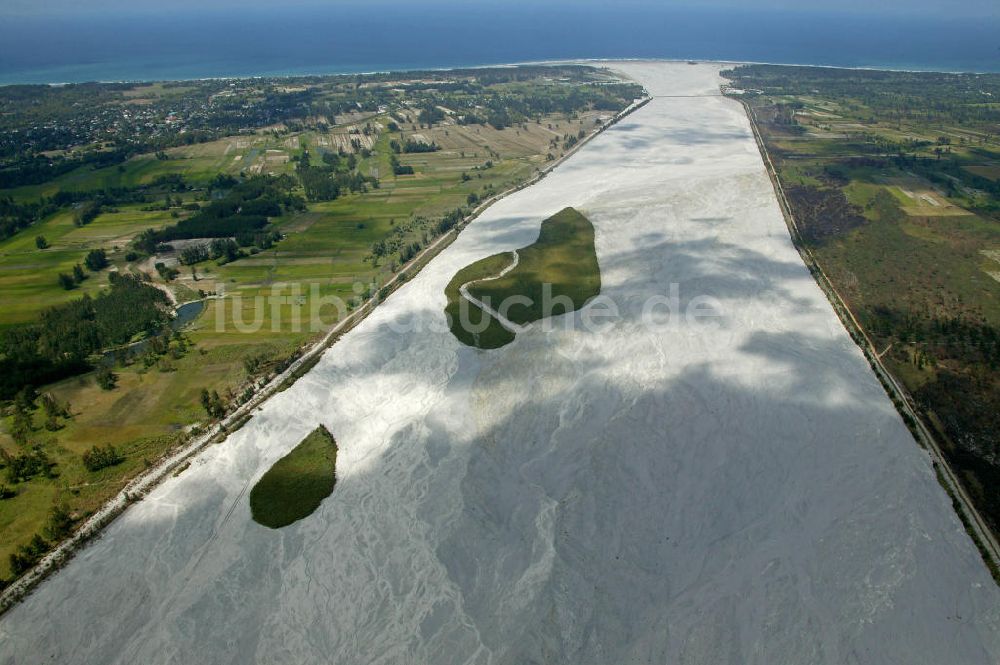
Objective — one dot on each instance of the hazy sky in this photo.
(943, 8)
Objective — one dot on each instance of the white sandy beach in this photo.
(734, 490)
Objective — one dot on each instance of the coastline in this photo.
(303, 74)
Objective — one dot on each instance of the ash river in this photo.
(727, 489)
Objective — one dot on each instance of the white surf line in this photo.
(504, 321)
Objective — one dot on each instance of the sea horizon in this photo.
(352, 40)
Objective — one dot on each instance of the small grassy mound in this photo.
(297, 483)
(563, 259)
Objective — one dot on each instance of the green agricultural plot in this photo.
(556, 274)
(297, 483)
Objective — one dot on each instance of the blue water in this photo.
(355, 37)
(183, 315)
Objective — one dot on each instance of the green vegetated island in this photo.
(295, 486)
(894, 182)
(515, 285)
(120, 200)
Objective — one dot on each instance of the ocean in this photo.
(389, 35)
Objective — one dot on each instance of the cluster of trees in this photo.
(209, 225)
(167, 273)
(212, 403)
(98, 458)
(71, 279)
(59, 345)
(36, 169)
(260, 239)
(419, 146)
(966, 403)
(106, 379)
(500, 116)
(450, 221)
(822, 213)
(194, 254)
(54, 411)
(940, 338)
(223, 249)
(27, 465)
(340, 161)
(397, 242)
(22, 421)
(86, 213)
(430, 114)
(226, 250)
(111, 318)
(58, 526)
(28, 555)
(409, 250)
(319, 183)
(255, 363)
(962, 391)
(32, 461)
(16, 216)
(399, 169)
(96, 260)
(245, 208)
(471, 118)
(336, 175)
